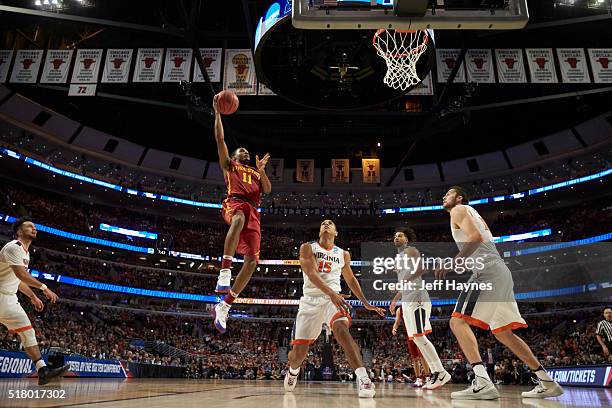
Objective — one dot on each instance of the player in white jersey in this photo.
(494, 309)
(416, 308)
(323, 263)
(14, 276)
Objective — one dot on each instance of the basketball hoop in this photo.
(401, 50)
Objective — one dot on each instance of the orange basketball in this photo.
(227, 102)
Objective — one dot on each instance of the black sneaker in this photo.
(46, 373)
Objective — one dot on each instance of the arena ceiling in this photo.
(464, 122)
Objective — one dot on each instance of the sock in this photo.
(226, 262)
(40, 363)
(542, 374)
(230, 297)
(361, 373)
(294, 371)
(429, 353)
(480, 370)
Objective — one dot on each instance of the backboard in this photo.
(440, 15)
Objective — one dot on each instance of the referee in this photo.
(604, 332)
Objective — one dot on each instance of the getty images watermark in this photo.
(409, 267)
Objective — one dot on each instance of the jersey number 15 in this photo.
(325, 266)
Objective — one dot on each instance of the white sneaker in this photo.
(224, 282)
(544, 389)
(220, 314)
(481, 389)
(290, 380)
(366, 388)
(418, 383)
(437, 380)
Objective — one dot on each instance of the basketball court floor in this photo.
(165, 393)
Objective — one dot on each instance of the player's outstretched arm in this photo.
(224, 159)
(23, 275)
(26, 290)
(266, 186)
(355, 287)
(309, 266)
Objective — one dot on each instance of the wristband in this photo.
(43, 287)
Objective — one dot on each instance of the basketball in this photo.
(227, 102)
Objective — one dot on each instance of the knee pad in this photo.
(28, 338)
(420, 341)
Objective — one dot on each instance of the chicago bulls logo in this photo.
(149, 61)
(450, 63)
(241, 65)
(541, 62)
(178, 61)
(510, 62)
(208, 61)
(573, 62)
(57, 63)
(605, 62)
(479, 62)
(88, 62)
(27, 63)
(117, 62)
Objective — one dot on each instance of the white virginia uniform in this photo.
(416, 305)
(12, 314)
(315, 307)
(494, 309)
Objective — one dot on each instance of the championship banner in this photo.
(26, 67)
(263, 90)
(117, 66)
(573, 65)
(304, 170)
(239, 73)
(425, 87)
(212, 62)
(87, 66)
(542, 65)
(340, 171)
(6, 56)
(275, 169)
(480, 66)
(601, 62)
(510, 66)
(446, 60)
(148, 65)
(371, 170)
(91, 367)
(177, 65)
(55, 70)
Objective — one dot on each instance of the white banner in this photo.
(26, 67)
(480, 66)
(87, 66)
(239, 72)
(340, 171)
(117, 65)
(82, 90)
(542, 65)
(178, 64)
(263, 90)
(510, 66)
(370, 170)
(425, 87)
(573, 65)
(212, 62)
(601, 62)
(446, 60)
(148, 65)
(304, 170)
(275, 169)
(57, 63)
(6, 56)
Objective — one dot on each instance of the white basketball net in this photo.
(401, 50)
